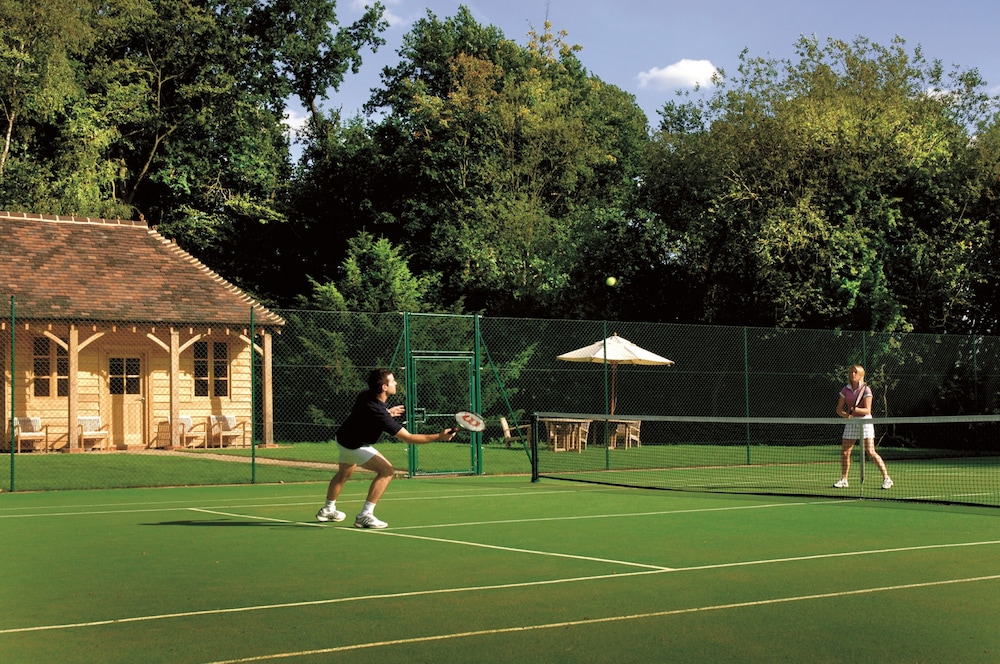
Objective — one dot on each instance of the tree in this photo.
(376, 279)
(829, 192)
(168, 110)
(54, 134)
(502, 157)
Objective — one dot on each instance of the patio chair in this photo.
(225, 430)
(90, 431)
(515, 434)
(29, 432)
(190, 433)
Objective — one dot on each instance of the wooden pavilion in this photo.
(113, 337)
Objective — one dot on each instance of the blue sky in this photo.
(651, 48)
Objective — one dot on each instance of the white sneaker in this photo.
(368, 521)
(886, 483)
(330, 515)
(840, 484)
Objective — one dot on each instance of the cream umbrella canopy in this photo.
(614, 350)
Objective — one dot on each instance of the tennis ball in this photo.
(611, 281)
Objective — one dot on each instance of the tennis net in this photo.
(952, 459)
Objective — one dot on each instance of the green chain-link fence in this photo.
(290, 388)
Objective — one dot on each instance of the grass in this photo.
(774, 470)
(492, 569)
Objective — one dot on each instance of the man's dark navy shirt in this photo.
(368, 420)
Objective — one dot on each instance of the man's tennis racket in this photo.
(470, 421)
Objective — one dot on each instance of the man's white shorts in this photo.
(858, 429)
(360, 456)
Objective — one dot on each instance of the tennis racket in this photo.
(858, 397)
(470, 421)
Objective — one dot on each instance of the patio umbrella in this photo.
(614, 350)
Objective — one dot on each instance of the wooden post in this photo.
(266, 385)
(175, 387)
(73, 399)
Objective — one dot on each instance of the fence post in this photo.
(534, 447)
(477, 391)
(253, 402)
(13, 392)
(746, 386)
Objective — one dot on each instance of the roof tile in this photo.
(62, 267)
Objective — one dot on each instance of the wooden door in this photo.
(127, 388)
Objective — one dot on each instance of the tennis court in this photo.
(490, 569)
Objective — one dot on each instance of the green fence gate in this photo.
(438, 384)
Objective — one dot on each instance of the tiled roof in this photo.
(77, 268)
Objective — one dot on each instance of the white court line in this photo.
(312, 501)
(597, 621)
(258, 518)
(693, 510)
(147, 505)
(323, 602)
(480, 545)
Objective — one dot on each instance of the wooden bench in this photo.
(225, 430)
(29, 432)
(90, 431)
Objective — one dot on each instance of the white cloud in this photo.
(683, 74)
(295, 120)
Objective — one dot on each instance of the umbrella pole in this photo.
(614, 368)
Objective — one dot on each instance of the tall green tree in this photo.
(498, 160)
(834, 190)
(375, 278)
(54, 134)
(169, 110)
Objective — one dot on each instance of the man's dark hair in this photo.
(377, 378)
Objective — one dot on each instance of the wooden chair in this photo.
(190, 433)
(29, 432)
(225, 430)
(89, 429)
(580, 442)
(567, 435)
(625, 433)
(515, 434)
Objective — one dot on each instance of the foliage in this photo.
(831, 192)
(501, 155)
(376, 278)
(855, 186)
(171, 111)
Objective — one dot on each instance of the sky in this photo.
(653, 48)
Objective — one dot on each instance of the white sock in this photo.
(369, 508)
(331, 505)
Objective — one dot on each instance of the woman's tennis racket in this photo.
(470, 421)
(859, 397)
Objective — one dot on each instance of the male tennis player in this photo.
(368, 420)
(855, 403)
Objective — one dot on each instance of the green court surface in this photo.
(493, 569)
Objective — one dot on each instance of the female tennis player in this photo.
(355, 439)
(855, 404)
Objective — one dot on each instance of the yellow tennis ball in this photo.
(611, 281)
